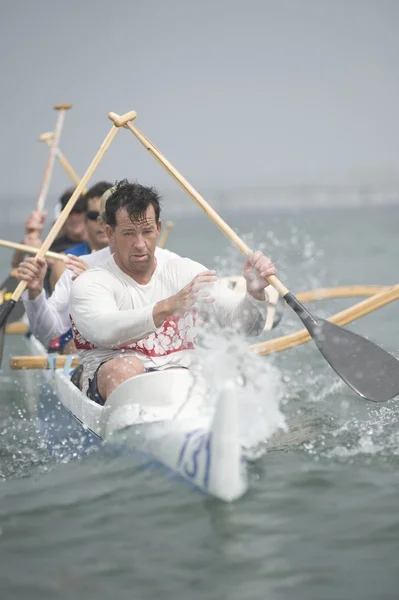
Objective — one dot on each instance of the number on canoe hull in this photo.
(195, 456)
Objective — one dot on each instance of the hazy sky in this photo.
(234, 93)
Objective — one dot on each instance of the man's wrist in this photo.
(162, 310)
(258, 295)
(33, 294)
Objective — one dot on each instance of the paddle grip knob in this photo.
(121, 120)
(62, 106)
(46, 137)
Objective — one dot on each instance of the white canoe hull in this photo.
(160, 414)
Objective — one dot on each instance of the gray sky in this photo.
(234, 93)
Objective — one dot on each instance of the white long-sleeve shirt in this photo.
(49, 317)
(112, 314)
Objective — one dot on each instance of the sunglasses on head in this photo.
(92, 215)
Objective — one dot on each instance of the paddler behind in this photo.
(132, 314)
(96, 238)
(74, 231)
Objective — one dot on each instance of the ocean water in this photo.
(321, 518)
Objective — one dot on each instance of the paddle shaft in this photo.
(70, 171)
(210, 212)
(68, 207)
(61, 108)
(31, 250)
(217, 220)
(200, 201)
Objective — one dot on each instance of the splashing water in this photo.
(223, 356)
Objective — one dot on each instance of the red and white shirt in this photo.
(111, 315)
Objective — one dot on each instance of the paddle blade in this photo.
(278, 315)
(2, 337)
(9, 286)
(368, 369)
(5, 311)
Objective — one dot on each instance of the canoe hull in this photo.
(164, 415)
(160, 415)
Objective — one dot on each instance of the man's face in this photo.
(135, 241)
(97, 237)
(75, 227)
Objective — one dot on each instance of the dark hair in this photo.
(98, 189)
(80, 205)
(135, 198)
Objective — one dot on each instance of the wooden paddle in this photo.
(165, 234)
(48, 138)
(7, 307)
(30, 250)
(61, 108)
(369, 370)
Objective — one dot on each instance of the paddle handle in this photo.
(201, 202)
(122, 120)
(31, 250)
(58, 225)
(46, 137)
(61, 108)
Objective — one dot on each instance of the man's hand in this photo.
(193, 292)
(257, 268)
(33, 270)
(181, 302)
(76, 264)
(35, 222)
(32, 239)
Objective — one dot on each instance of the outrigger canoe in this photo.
(161, 415)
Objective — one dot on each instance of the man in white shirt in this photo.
(132, 314)
(49, 317)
